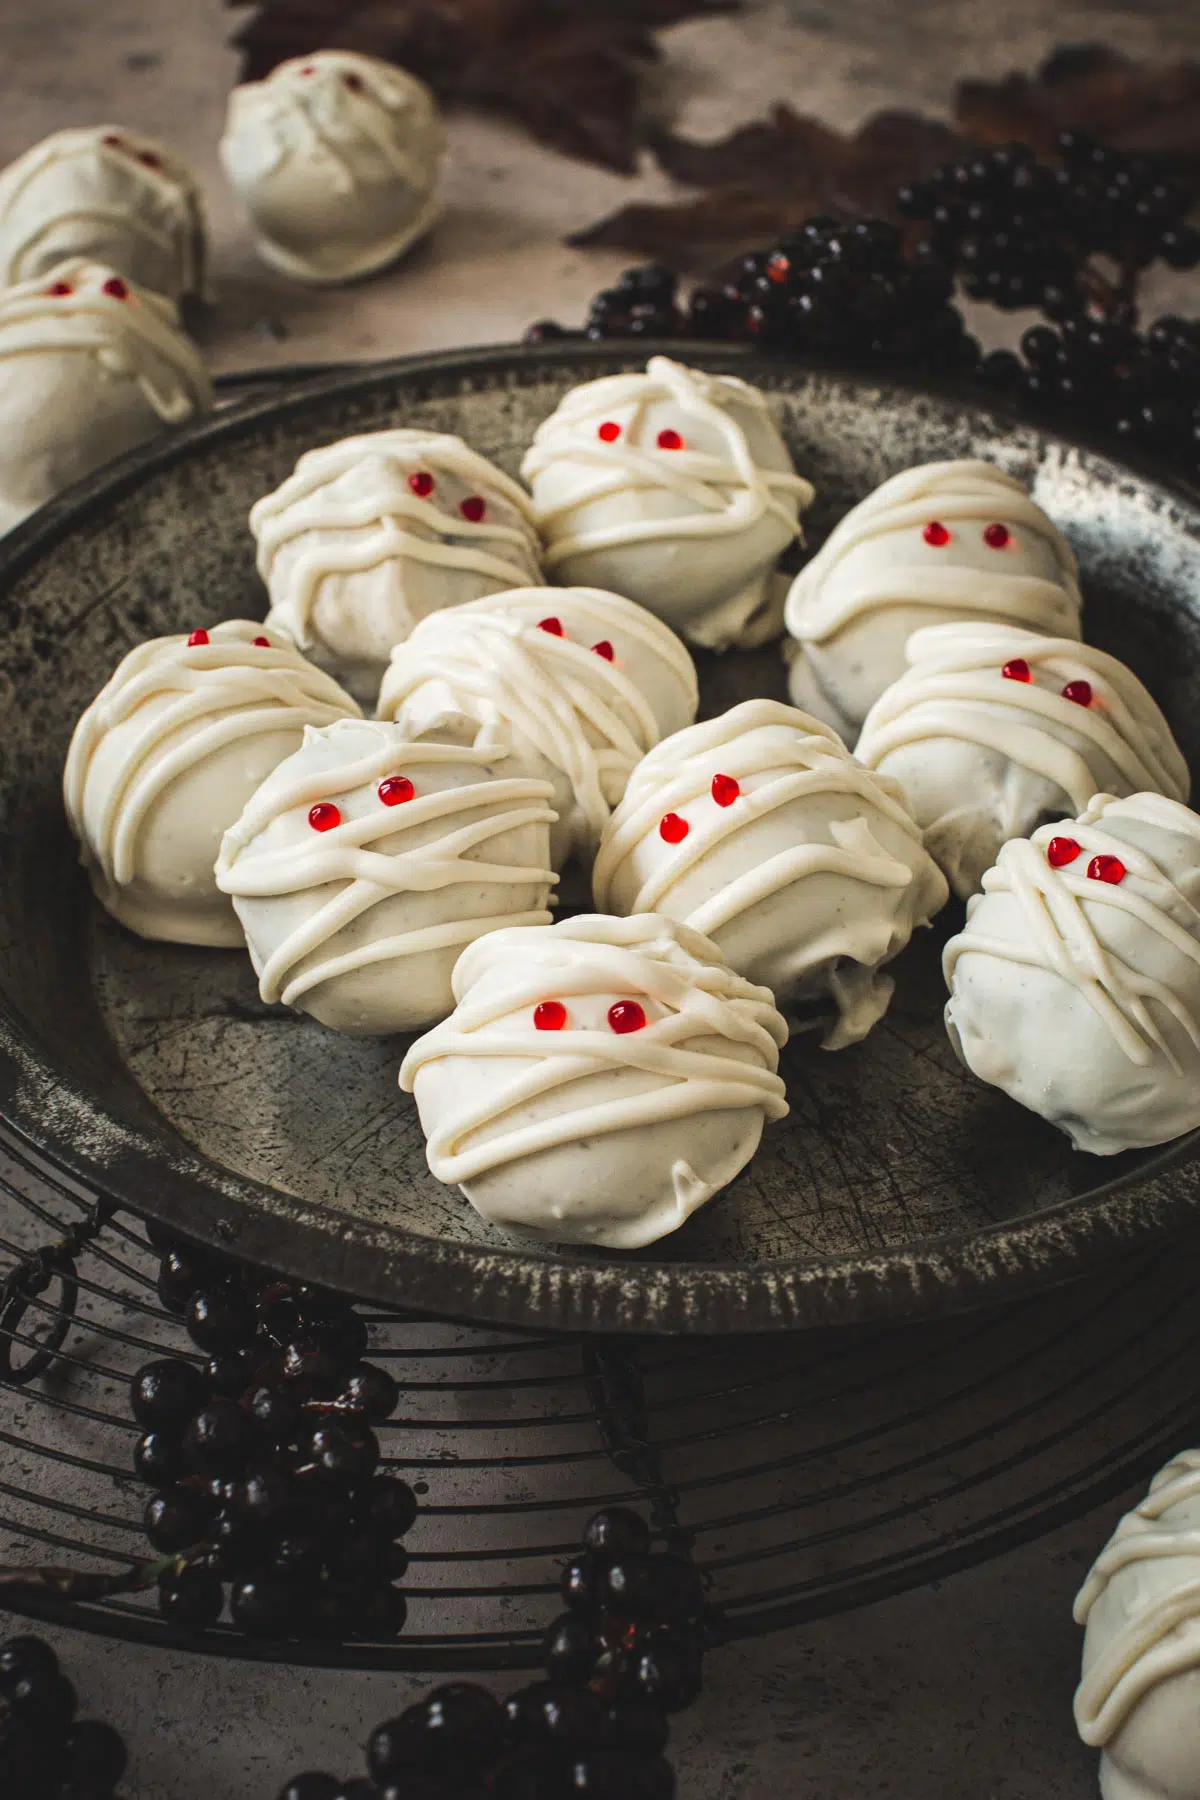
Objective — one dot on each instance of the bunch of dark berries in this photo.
(264, 1460)
(46, 1752)
(625, 1654)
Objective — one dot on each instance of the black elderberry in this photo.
(613, 1775)
(176, 1520)
(454, 1732)
(665, 1669)
(190, 1598)
(581, 1583)
(219, 1439)
(640, 1726)
(180, 1273)
(570, 1648)
(158, 1458)
(95, 1754)
(387, 1506)
(370, 1392)
(220, 1316)
(167, 1393)
(265, 1603)
(46, 1703)
(546, 331)
(550, 1712)
(312, 1785)
(617, 1530)
(381, 1613)
(340, 1451)
(651, 1587)
(26, 1659)
(279, 1410)
(264, 1495)
(298, 1553)
(230, 1372)
(362, 1553)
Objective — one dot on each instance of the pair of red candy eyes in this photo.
(114, 287)
(354, 82)
(667, 439)
(1061, 851)
(146, 157)
(673, 829)
(395, 790)
(623, 1017)
(1078, 691)
(473, 508)
(554, 628)
(996, 537)
(201, 637)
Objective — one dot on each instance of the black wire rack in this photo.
(809, 1474)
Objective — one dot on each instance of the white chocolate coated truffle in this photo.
(946, 541)
(579, 683)
(1139, 1699)
(599, 1080)
(994, 729)
(760, 830)
(335, 158)
(674, 488)
(165, 758)
(111, 196)
(369, 535)
(365, 862)
(90, 366)
(1075, 985)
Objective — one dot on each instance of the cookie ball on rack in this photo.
(90, 366)
(1141, 1653)
(993, 730)
(365, 863)
(599, 1079)
(369, 535)
(579, 683)
(760, 830)
(1075, 986)
(335, 158)
(674, 488)
(167, 755)
(946, 541)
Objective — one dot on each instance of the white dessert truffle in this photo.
(335, 158)
(90, 366)
(760, 830)
(111, 196)
(993, 730)
(1139, 1700)
(579, 683)
(1075, 985)
(946, 541)
(369, 535)
(362, 866)
(676, 489)
(167, 755)
(599, 1080)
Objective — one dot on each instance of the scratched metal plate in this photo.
(898, 1186)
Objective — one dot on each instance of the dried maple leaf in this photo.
(569, 70)
(1089, 88)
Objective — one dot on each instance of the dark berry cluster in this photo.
(264, 1459)
(625, 1654)
(46, 1753)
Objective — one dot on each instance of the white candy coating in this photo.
(165, 758)
(579, 717)
(111, 196)
(808, 881)
(353, 555)
(335, 157)
(84, 376)
(1139, 1699)
(876, 580)
(584, 1134)
(984, 758)
(692, 532)
(360, 925)
(1078, 996)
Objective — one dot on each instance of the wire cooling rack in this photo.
(809, 1474)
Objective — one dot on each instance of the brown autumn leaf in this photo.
(570, 71)
(1093, 89)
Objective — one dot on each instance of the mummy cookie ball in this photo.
(578, 682)
(167, 755)
(1137, 1701)
(598, 1080)
(335, 157)
(365, 863)
(674, 488)
(994, 729)
(946, 541)
(760, 830)
(90, 366)
(111, 196)
(1075, 985)
(369, 535)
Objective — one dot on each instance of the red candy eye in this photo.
(669, 440)
(262, 643)
(113, 141)
(396, 790)
(672, 829)
(604, 649)
(1061, 851)
(1078, 691)
(58, 288)
(935, 533)
(725, 790)
(997, 537)
(1017, 670)
(549, 1015)
(148, 158)
(116, 287)
(353, 82)
(421, 482)
(626, 1016)
(609, 432)
(1107, 868)
(308, 69)
(197, 637)
(472, 508)
(324, 816)
(553, 626)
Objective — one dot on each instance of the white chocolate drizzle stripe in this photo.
(391, 949)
